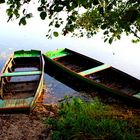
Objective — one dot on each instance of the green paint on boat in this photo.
(22, 53)
(57, 53)
(137, 95)
(12, 103)
(93, 70)
(1, 103)
(26, 73)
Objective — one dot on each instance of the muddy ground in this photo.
(27, 126)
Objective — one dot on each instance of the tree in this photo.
(114, 17)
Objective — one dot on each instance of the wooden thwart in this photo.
(26, 73)
(58, 56)
(11, 103)
(22, 53)
(93, 70)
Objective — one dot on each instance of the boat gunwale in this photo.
(40, 85)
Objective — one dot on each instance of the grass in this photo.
(78, 120)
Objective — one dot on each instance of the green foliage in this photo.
(79, 120)
(22, 21)
(2, 1)
(135, 41)
(114, 17)
(55, 34)
(43, 15)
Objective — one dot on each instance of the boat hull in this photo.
(54, 64)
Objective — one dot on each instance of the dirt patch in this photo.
(27, 126)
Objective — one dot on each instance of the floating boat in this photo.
(21, 81)
(94, 73)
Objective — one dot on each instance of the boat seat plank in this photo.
(93, 70)
(20, 82)
(26, 73)
(20, 90)
(57, 54)
(14, 103)
(22, 53)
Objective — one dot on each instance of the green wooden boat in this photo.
(21, 81)
(94, 73)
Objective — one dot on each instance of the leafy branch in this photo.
(114, 17)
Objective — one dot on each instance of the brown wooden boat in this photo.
(21, 81)
(99, 75)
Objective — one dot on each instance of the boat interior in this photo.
(100, 73)
(21, 78)
(117, 80)
(76, 63)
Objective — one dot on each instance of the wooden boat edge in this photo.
(40, 86)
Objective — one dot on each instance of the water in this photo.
(56, 91)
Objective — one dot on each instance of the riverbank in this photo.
(32, 127)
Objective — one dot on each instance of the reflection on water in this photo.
(2, 62)
(56, 91)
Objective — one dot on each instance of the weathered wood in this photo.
(20, 94)
(26, 73)
(12, 103)
(93, 70)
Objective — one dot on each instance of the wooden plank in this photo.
(94, 70)
(26, 73)
(20, 102)
(14, 86)
(14, 103)
(22, 53)
(56, 54)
